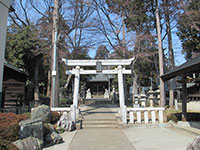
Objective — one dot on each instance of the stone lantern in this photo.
(151, 97)
(143, 99)
(136, 101)
(158, 95)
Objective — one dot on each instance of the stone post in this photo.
(131, 117)
(146, 117)
(76, 86)
(120, 86)
(139, 120)
(160, 114)
(153, 116)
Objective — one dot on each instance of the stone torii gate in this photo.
(98, 63)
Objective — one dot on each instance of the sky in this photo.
(179, 57)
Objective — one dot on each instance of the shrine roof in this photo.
(191, 66)
(99, 78)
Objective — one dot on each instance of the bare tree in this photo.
(171, 52)
(161, 65)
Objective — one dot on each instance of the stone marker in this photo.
(66, 123)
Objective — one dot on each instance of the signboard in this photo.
(98, 66)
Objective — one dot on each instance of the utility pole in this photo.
(160, 51)
(55, 57)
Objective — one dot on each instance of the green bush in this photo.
(7, 145)
(27, 114)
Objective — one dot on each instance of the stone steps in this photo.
(99, 123)
(99, 116)
(99, 126)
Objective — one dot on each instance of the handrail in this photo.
(60, 108)
(146, 109)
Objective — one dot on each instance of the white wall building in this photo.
(4, 8)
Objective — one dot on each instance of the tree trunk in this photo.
(134, 78)
(36, 86)
(160, 51)
(68, 81)
(171, 52)
(123, 41)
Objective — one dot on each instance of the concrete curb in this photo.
(189, 130)
(153, 125)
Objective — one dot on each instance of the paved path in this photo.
(100, 139)
(121, 139)
(158, 138)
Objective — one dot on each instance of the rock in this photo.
(48, 128)
(33, 128)
(195, 145)
(29, 143)
(53, 138)
(50, 135)
(42, 111)
(66, 123)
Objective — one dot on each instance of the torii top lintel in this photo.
(104, 62)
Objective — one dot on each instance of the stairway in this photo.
(99, 117)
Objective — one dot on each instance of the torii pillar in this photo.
(76, 86)
(120, 86)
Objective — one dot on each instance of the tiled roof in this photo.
(191, 66)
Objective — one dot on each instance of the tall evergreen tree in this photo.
(188, 28)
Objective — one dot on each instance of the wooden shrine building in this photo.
(14, 81)
(189, 72)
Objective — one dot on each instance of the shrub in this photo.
(193, 116)
(7, 145)
(27, 114)
(55, 116)
(177, 116)
(9, 127)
